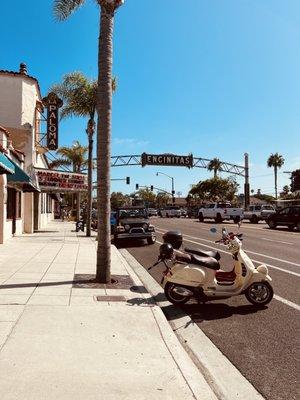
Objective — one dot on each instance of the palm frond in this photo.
(64, 8)
(59, 163)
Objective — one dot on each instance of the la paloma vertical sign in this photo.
(53, 103)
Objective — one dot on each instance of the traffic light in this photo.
(136, 186)
(128, 180)
(151, 188)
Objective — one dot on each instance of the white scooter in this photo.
(196, 274)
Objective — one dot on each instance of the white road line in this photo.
(276, 241)
(248, 251)
(287, 302)
(278, 298)
(256, 261)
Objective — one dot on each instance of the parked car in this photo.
(192, 212)
(288, 216)
(220, 211)
(258, 213)
(152, 212)
(113, 221)
(170, 212)
(183, 212)
(133, 223)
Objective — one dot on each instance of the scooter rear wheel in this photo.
(174, 297)
(259, 293)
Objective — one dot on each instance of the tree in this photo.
(74, 156)
(63, 9)
(215, 165)
(215, 189)
(80, 95)
(162, 199)
(285, 191)
(147, 196)
(275, 161)
(118, 199)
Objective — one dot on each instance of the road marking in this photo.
(227, 252)
(248, 251)
(278, 298)
(276, 241)
(287, 302)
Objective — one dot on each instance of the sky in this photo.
(215, 78)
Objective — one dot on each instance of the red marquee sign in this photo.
(59, 181)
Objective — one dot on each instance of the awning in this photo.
(6, 165)
(21, 180)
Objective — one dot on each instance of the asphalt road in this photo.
(262, 344)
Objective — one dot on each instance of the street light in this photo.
(173, 191)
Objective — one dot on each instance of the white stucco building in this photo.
(20, 107)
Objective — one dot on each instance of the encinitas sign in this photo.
(167, 160)
(53, 103)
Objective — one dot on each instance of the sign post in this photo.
(53, 103)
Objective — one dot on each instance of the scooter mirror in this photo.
(213, 230)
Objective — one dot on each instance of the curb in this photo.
(191, 374)
(224, 379)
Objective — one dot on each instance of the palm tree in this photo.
(75, 157)
(62, 10)
(275, 161)
(80, 95)
(215, 165)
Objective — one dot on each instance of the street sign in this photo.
(53, 103)
(167, 160)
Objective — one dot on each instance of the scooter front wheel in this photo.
(175, 297)
(259, 293)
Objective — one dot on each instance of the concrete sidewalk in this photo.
(58, 341)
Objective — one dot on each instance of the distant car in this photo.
(192, 212)
(259, 212)
(170, 212)
(113, 221)
(288, 216)
(221, 211)
(152, 212)
(183, 212)
(133, 223)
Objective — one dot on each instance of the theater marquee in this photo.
(53, 103)
(167, 160)
(58, 181)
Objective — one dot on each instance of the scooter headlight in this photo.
(127, 227)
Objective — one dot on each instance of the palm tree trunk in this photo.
(90, 183)
(215, 173)
(275, 174)
(104, 106)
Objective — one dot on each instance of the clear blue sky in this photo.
(213, 77)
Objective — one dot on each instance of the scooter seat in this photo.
(201, 253)
(207, 262)
(224, 276)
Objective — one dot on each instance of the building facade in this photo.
(24, 208)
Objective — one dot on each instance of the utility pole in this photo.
(173, 190)
(247, 185)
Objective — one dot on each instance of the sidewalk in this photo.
(59, 341)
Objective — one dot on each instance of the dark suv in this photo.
(289, 216)
(133, 223)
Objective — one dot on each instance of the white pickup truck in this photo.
(220, 211)
(259, 212)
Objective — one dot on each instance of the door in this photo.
(282, 218)
(36, 211)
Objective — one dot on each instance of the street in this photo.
(260, 343)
